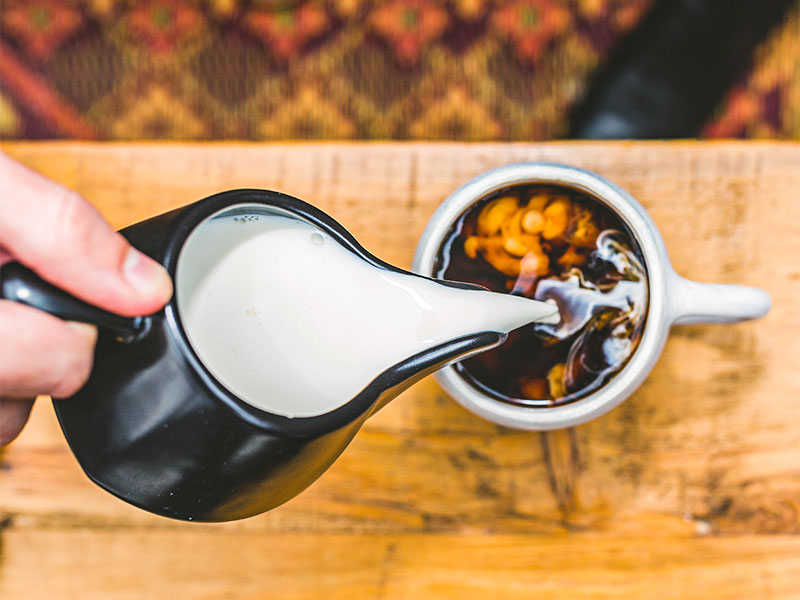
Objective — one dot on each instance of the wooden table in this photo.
(690, 489)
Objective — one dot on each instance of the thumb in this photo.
(66, 241)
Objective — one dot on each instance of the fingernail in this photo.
(84, 329)
(146, 276)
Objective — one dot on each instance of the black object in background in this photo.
(672, 72)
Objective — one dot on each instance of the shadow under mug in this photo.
(673, 300)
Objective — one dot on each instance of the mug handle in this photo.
(693, 302)
(20, 284)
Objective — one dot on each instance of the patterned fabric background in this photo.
(336, 69)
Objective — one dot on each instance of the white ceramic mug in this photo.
(672, 300)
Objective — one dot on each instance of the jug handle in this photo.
(693, 302)
(20, 284)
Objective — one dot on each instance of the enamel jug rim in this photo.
(357, 407)
(198, 213)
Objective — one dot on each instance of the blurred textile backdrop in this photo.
(338, 69)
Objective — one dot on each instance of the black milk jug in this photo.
(155, 428)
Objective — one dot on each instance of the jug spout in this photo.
(477, 319)
(406, 373)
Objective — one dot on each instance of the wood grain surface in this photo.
(690, 489)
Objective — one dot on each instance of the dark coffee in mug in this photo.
(547, 242)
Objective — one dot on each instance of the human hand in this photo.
(61, 237)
